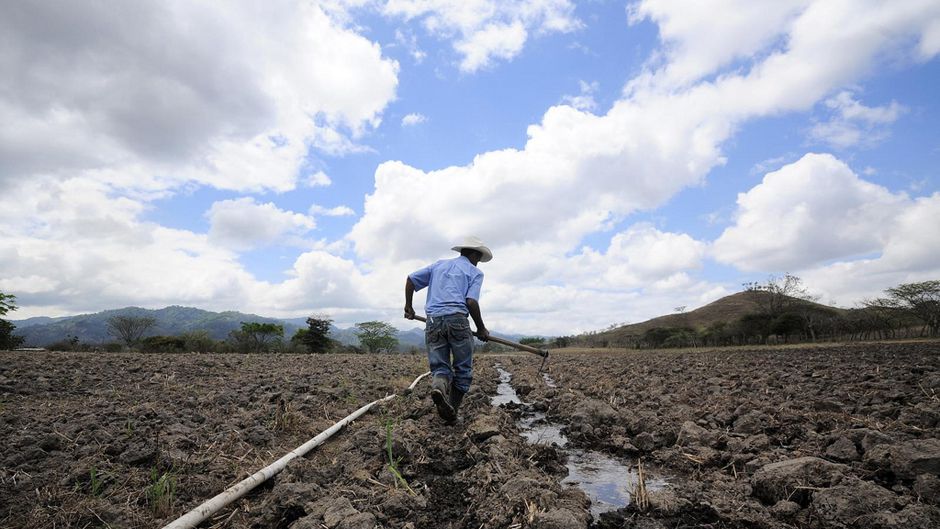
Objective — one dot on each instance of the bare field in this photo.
(837, 436)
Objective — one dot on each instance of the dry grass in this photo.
(638, 493)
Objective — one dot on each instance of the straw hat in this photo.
(474, 243)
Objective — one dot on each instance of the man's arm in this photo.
(409, 294)
(474, 307)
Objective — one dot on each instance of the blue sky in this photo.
(620, 158)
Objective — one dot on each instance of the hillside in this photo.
(727, 309)
(173, 320)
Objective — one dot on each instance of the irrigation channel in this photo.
(608, 482)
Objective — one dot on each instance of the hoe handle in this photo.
(527, 348)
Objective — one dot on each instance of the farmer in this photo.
(453, 293)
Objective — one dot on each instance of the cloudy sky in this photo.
(620, 158)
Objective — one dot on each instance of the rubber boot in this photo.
(456, 397)
(440, 394)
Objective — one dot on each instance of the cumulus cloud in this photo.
(909, 254)
(115, 259)
(852, 123)
(413, 119)
(228, 96)
(845, 236)
(699, 38)
(243, 224)
(810, 211)
(487, 30)
(639, 257)
(578, 172)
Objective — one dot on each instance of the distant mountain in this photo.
(38, 320)
(174, 320)
(93, 328)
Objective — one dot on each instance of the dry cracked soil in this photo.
(833, 436)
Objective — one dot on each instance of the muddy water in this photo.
(605, 480)
(505, 393)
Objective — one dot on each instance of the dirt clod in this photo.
(794, 479)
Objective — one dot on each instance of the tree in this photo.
(377, 336)
(779, 294)
(7, 339)
(129, 329)
(921, 300)
(257, 337)
(787, 324)
(754, 325)
(7, 303)
(534, 341)
(198, 341)
(316, 337)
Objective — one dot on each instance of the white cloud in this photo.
(318, 179)
(635, 258)
(114, 259)
(699, 38)
(487, 30)
(808, 212)
(577, 171)
(909, 254)
(853, 123)
(849, 239)
(576, 175)
(228, 96)
(497, 40)
(413, 119)
(242, 224)
(338, 211)
(584, 101)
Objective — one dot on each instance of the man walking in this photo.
(453, 293)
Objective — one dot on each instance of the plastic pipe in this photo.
(211, 506)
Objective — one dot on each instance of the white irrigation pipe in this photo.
(210, 507)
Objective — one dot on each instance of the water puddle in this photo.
(606, 481)
(549, 381)
(505, 393)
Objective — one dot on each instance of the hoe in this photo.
(527, 348)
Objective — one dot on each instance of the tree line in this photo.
(130, 333)
(786, 313)
(256, 337)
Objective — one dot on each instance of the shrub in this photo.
(163, 344)
(113, 347)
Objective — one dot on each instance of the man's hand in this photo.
(483, 334)
(409, 312)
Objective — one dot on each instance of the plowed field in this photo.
(834, 436)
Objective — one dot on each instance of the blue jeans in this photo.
(450, 336)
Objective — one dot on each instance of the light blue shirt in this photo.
(450, 282)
